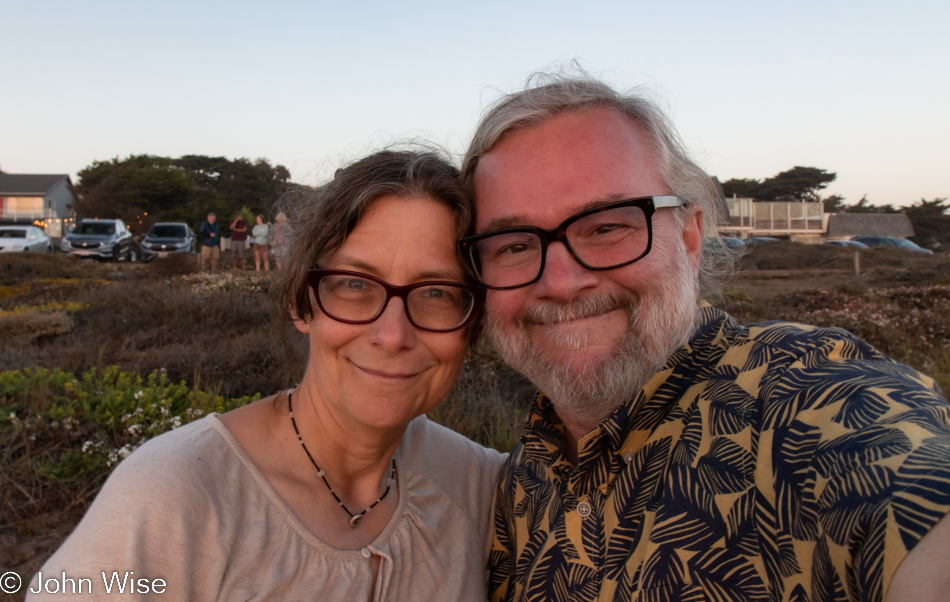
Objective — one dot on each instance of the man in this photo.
(210, 243)
(673, 454)
(238, 244)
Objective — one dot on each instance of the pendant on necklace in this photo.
(355, 520)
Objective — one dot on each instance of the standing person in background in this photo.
(278, 240)
(210, 243)
(238, 241)
(260, 232)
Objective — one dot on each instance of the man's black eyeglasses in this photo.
(603, 238)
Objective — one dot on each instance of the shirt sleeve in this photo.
(859, 448)
(153, 519)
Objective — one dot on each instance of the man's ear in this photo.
(693, 234)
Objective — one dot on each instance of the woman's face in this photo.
(260, 220)
(385, 373)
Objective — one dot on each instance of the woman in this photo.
(278, 240)
(339, 488)
(260, 232)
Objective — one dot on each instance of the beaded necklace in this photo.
(354, 518)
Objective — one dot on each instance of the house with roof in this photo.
(846, 225)
(797, 220)
(807, 221)
(42, 200)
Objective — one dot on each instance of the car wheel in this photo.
(49, 248)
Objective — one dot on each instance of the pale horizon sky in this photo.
(856, 88)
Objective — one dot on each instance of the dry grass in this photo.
(218, 333)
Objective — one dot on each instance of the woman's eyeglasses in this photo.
(357, 298)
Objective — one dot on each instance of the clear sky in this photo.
(858, 88)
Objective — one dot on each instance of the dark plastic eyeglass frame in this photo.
(648, 204)
(315, 275)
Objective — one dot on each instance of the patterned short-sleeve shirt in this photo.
(774, 462)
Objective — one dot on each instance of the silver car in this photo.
(24, 238)
(99, 238)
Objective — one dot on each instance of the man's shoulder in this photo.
(780, 345)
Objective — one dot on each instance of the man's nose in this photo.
(563, 277)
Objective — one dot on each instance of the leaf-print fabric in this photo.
(774, 462)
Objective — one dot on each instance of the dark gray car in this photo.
(99, 238)
(890, 241)
(165, 238)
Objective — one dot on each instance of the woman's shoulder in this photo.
(444, 455)
(189, 461)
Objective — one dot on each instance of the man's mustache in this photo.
(577, 309)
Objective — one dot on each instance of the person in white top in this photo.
(261, 232)
(339, 488)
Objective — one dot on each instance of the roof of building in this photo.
(880, 224)
(12, 184)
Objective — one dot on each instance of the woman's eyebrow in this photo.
(359, 265)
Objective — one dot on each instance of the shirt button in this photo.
(583, 509)
(628, 457)
(366, 553)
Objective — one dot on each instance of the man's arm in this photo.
(923, 574)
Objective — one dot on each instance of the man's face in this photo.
(572, 329)
(211, 219)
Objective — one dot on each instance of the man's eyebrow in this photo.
(508, 221)
(514, 221)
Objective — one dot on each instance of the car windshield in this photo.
(101, 229)
(12, 233)
(906, 244)
(167, 231)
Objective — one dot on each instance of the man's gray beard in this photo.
(585, 394)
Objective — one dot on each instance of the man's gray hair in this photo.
(212, 215)
(547, 95)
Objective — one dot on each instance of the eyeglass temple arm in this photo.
(669, 200)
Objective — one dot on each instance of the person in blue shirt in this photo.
(210, 243)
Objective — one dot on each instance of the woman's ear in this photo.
(302, 324)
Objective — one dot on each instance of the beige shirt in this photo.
(191, 509)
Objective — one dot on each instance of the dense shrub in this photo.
(61, 434)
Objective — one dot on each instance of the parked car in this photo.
(99, 238)
(731, 241)
(853, 244)
(755, 240)
(890, 241)
(165, 238)
(24, 238)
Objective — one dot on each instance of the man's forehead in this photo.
(564, 165)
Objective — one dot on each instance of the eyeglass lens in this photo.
(350, 298)
(600, 240)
